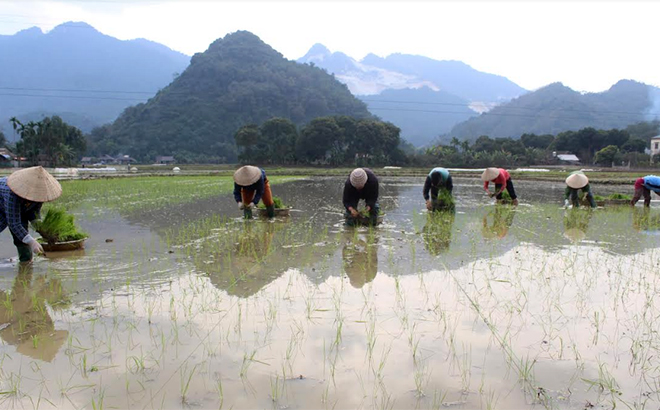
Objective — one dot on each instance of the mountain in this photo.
(422, 114)
(556, 108)
(361, 79)
(238, 80)
(374, 74)
(52, 72)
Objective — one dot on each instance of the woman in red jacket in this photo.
(501, 178)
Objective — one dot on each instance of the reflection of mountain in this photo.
(243, 257)
(360, 257)
(24, 318)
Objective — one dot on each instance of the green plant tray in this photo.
(64, 246)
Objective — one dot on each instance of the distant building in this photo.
(87, 161)
(655, 145)
(124, 160)
(566, 157)
(7, 158)
(165, 160)
(107, 159)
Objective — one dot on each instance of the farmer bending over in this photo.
(578, 181)
(21, 197)
(251, 186)
(361, 184)
(437, 179)
(644, 186)
(502, 180)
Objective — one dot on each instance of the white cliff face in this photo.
(362, 79)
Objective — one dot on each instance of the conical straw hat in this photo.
(577, 181)
(34, 184)
(490, 174)
(247, 175)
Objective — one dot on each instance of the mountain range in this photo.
(89, 79)
(556, 108)
(422, 96)
(238, 80)
(84, 76)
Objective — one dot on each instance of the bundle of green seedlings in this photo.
(277, 203)
(58, 226)
(613, 196)
(445, 201)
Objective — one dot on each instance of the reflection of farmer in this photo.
(575, 182)
(361, 184)
(24, 318)
(437, 231)
(360, 261)
(576, 223)
(643, 187)
(501, 178)
(438, 180)
(502, 221)
(643, 220)
(251, 186)
(21, 197)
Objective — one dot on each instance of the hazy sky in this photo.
(586, 45)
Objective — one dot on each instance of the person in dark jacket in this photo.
(437, 180)
(21, 197)
(575, 182)
(643, 187)
(250, 187)
(361, 184)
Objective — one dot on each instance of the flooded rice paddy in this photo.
(179, 303)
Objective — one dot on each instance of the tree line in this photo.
(49, 142)
(333, 140)
(591, 146)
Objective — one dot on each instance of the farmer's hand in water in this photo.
(250, 205)
(240, 206)
(368, 208)
(565, 203)
(36, 246)
(429, 205)
(354, 212)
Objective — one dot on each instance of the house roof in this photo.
(568, 157)
(657, 137)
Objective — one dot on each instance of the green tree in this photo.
(3, 140)
(247, 137)
(607, 156)
(634, 145)
(50, 140)
(537, 141)
(317, 139)
(279, 135)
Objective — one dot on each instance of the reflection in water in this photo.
(360, 257)
(645, 220)
(242, 257)
(576, 223)
(437, 231)
(24, 318)
(502, 221)
(244, 265)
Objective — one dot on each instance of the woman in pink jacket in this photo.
(501, 178)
